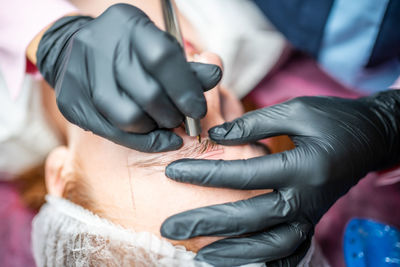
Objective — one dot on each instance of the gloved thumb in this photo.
(253, 126)
(294, 259)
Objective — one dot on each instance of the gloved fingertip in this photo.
(171, 170)
(217, 132)
(220, 132)
(178, 169)
(197, 109)
(229, 133)
(214, 78)
(209, 75)
(176, 142)
(168, 142)
(175, 230)
(167, 230)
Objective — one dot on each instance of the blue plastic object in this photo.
(368, 243)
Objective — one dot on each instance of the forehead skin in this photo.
(132, 196)
(140, 197)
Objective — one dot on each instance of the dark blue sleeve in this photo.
(301, 21)
(356, 42)
(387, 45)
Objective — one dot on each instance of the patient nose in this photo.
(213, 97)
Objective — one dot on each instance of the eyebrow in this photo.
(156, 160)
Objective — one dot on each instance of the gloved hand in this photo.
(338, 141)
(122, 78)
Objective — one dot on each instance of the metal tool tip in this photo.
(199, 138)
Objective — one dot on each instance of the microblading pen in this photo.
(192, 126)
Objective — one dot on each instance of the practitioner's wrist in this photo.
(53, 43)
(34, 44)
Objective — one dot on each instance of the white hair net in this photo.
(65, 234)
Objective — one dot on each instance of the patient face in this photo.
(130, 187)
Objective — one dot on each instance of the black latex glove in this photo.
(122, 78)
(338, 141)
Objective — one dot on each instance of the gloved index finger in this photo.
(164, 59)
(268, 172)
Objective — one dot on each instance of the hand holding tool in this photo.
(122, 78)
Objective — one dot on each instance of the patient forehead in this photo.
(136, 198)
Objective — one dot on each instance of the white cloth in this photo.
(241, 35)
(25, 135)
(65, 234)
